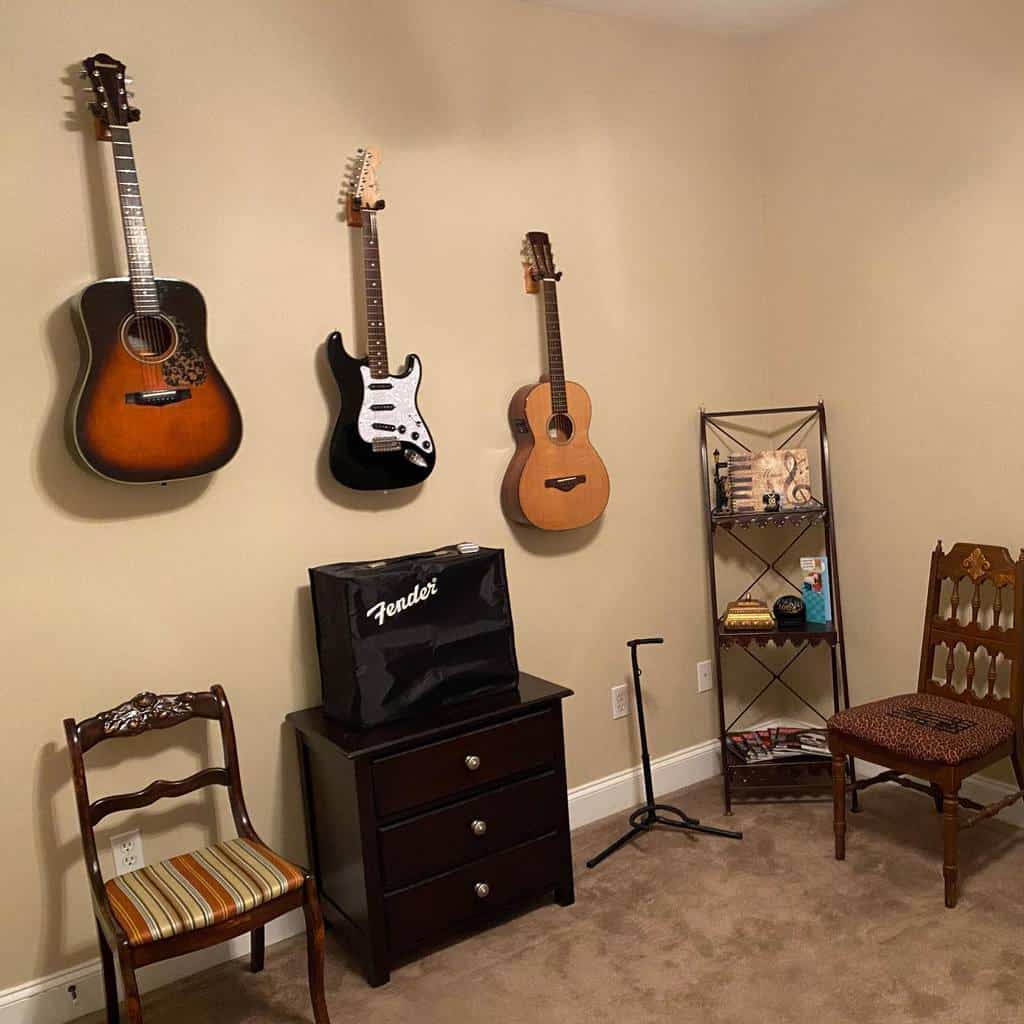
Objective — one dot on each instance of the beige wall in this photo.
(893, 159)
(830, 209)
(629, 143)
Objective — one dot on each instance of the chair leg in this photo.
(1015, 761)
(131, 988)
(937, 797)
(839, 804)
(109, 979)
(256, 950)
(315, 953)
(950, 865)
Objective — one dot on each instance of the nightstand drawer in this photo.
(469, 830)
(454, 766)
(471, 894)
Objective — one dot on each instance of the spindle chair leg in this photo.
(839, 804)
(257, 950)
(109, 979)
(315, 953)
(950, 862)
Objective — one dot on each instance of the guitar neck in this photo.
(136, 238)
(556, 368)
(376, 334)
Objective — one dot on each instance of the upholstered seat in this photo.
(199, 889)
(926, 727)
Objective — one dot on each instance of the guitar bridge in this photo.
(565, 483)
(379, 445)
(162, 396)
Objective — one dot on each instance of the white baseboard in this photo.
(625, 790)
(46, 1000)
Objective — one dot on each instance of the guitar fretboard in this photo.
(556, 369)
(376, 336)
(136, 238)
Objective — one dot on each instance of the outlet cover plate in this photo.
(703, 676)
(127, 850)
(620, 701)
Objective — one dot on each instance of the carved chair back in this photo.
(964, 652)
(144, 713)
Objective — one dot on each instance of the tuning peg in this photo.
(83, 73)
(129, 81)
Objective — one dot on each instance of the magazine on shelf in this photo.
(756, 745)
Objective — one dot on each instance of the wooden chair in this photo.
(197, 900)
(944, 733)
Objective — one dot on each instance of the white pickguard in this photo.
(404, 416)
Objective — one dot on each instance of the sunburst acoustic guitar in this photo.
(152, 406)
(556, 480)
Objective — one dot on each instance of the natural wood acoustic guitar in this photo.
(152, 405)
(556, 480)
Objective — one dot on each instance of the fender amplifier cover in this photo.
(401, 636)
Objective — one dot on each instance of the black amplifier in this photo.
(399, 636)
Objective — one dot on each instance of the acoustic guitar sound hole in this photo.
(150, 338)
(560, 428)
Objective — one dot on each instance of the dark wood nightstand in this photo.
(423, 828)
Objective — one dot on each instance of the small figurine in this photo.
(721, 496)
(771, 501)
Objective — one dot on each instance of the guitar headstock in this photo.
(538, 260)
(362, 192)
(110, 97)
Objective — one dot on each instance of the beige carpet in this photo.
(711, 930)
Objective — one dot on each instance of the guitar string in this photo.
(370, 234)
(148, 326)
(139, 326)
(549, 297)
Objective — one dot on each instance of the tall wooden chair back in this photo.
(989, 631)
(144, 713)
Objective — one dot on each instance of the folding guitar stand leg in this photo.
(645, 818)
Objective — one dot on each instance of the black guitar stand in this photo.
(645, 818)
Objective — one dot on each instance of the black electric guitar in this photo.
(380, 441)
(152, 405)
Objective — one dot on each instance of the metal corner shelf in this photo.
(812, 633)
(792, 776)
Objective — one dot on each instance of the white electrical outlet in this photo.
(128, 855)
(703, 676)
(620, 701)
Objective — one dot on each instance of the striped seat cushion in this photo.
(198, 889)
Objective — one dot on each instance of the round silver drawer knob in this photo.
(479, 827)
(482, 889)
(472, 762)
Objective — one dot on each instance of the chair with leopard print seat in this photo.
(966, 713)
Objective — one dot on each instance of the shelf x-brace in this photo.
(776, 677)
(773, 564)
